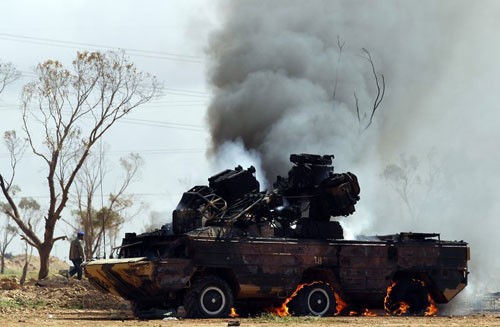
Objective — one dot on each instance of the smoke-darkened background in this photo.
(284, 74)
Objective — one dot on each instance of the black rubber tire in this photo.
(208, 297)
(410, 291)
(316, 299)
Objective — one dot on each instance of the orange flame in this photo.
(341, 305)
(368, 313)
(431, 310)
(233, 313)
(403, 306)
(282, 311)
(388, 292)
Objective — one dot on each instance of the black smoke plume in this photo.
(283, 82)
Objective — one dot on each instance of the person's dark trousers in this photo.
(76, 269)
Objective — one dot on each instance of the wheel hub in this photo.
(318, 302)
(213, 300)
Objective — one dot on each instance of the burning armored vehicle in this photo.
(231, 245)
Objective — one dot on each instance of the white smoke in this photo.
(275, 66)
(232, 154)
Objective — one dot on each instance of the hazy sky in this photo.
(266, 70)
(165, 38)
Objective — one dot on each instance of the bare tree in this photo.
(7, 234)
(106, 221)
(16, 149)
(413, 182)
(378, 98)
(8, 74)
(31, 211)
(73, 109)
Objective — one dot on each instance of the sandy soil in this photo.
(60, 302)
(115, 318)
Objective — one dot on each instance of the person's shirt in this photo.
(76, 250)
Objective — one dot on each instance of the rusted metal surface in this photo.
(232, 244)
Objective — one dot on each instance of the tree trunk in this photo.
(25, 273)
(25, 267)
(44, 253)
(2, 264)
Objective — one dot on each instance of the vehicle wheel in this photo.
(410, 292)
(208, 297)
(316, 299)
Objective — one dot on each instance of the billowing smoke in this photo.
(284, 74)
(274, 74)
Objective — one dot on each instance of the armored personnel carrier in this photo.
(231, 246)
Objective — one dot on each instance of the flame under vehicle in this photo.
(231, 245)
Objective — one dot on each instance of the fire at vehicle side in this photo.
(231, 245)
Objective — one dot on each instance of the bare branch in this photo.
(107, 220)
(59, 238)
(8, 232)
(8, 74)
(340, 45)
(16, 148)
(27, 240)
(357, 108)
(12, 211)
(380, 92)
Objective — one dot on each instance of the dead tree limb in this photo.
(378, 98)
(340, 45)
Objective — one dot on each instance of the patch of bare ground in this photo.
(71, 317)
(55, 293)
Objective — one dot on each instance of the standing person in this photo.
(76, 255)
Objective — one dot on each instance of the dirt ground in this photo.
(60, 302)
(74, 317)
